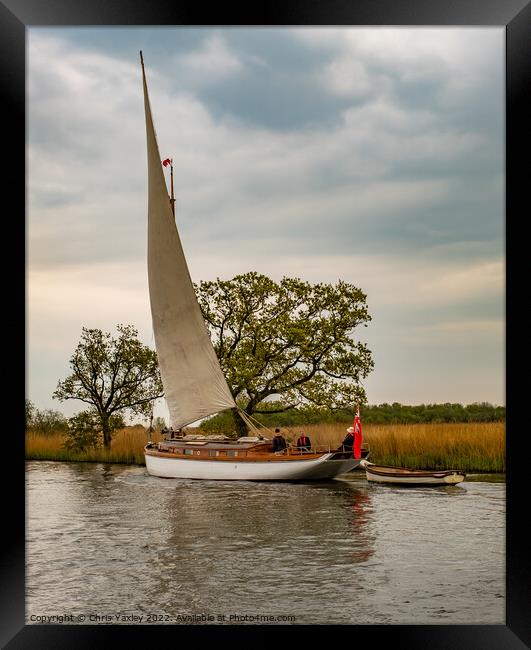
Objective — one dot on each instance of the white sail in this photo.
(194, 384)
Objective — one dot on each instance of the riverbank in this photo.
(471, 447)
(126, 447)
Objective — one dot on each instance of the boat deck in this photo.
(230, 450)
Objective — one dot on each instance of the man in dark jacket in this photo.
(303, 442)
(279, 442)
(348, 440)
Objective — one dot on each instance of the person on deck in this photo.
(303, 442)
(279, 442)
(348, 440)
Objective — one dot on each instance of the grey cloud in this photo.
(271, 162)
(73, 245)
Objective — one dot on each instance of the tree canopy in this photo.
(45, 422)
(112, 374)
(290, 339)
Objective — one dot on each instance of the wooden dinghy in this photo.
(406, 476)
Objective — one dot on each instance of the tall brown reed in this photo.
(126, 447)
(469, 447)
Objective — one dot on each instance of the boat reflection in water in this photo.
(112, 538)
(247, 546)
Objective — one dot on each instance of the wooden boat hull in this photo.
(429, 480)
(404, 476)
(323, 467)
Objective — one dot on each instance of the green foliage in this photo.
(116, 421)
(45, 422)
(377, 414)
(221, 423)
(112, 375)
(290, 339)
(436, 413)
(29, 413)
(159, 423)
(85, 432)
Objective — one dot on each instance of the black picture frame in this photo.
(515, 15)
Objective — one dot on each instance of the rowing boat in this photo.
(406, 476)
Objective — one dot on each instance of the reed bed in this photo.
(477, 447)
(472, 446)
(126, 447)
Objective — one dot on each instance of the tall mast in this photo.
(194, 384)
(172, 197)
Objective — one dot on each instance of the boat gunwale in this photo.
(271, 457)
(406, 472)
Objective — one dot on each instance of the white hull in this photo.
(292, 470)
(406, 480)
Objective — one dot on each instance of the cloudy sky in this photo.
(372, 155)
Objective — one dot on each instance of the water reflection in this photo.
(281, 520)
(276, 542)
(448, 490)
(363, 514)
(112, 538)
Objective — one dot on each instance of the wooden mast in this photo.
(172, 197)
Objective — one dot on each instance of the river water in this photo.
(110, 544)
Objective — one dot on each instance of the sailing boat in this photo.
(194, 384)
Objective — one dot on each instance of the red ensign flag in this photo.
(357, 435)
(166, 162)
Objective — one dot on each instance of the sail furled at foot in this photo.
(194, 384)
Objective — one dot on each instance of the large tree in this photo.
(291, 340)
(112, 375)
